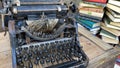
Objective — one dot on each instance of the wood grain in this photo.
(5, 59)
(104, 58)
(91, 49)
(94, 39)
(4, 42)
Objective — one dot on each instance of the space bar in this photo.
(65, 64)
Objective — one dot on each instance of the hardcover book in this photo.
(89, 28)
(114, 2)
(91, 13)
(92, 4)
(99, 1)
(113, 13)
(110, 26)
(109, 40)
(97, 10)
(107, 34)
(117, 24)
(91, 24)
(114, 19)
(91, 17)
(93, 30)
(87, 18)
(113, 31)
(113, 7)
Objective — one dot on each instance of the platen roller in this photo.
(39, 8)
(36, 2)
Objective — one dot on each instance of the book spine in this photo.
(99, 1)
(115, 2)
(113, 7)
(95, 14)
(89, 16)
(86, 26)
(97, 10)
(90, 19)
(89, 28)
(88, 23)
(95, 4)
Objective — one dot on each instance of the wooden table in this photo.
(96, 55)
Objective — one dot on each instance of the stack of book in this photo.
(111, 27)
(91, 13)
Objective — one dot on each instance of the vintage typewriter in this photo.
(43, 34)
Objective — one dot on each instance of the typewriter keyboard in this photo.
(55, 53)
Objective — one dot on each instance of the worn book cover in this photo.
(114, 2)
(91, 24)
(107, 23)
(114, 19)
(115, 14)
(114, 7)
(109, 40)
(117, 24)
(108, 34)
(99, 1)
(111, 30)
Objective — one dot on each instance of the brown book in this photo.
(97, 10)
(91, 11)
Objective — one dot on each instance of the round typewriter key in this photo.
(43, 57)
(41, 45)
(19, 60)
(47, 60)
(26, 58)
(37, 58)
(35, 52)
(36, 62)
(26, 48)
(42, 62)
(52, 61)
(20, 49)
(30, 54)
(56, 42)
(31, 46)
(25, 67)
(36, 46)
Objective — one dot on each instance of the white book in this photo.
(115, 14)
(110, 26)
(109, 40)
(113, 7)
(112, 18)
(114, 2)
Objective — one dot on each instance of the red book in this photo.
(98, 1)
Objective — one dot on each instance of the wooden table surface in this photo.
(93, 52)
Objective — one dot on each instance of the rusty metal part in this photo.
(54, 35)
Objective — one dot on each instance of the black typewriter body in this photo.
(43, 35)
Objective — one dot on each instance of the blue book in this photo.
(89, 28)
(87, 18)
(89, 23)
